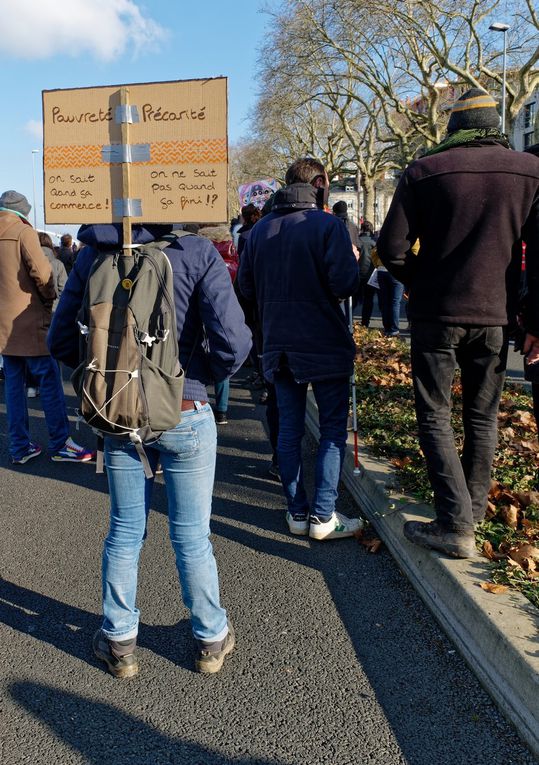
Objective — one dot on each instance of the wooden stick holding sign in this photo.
(126, 173)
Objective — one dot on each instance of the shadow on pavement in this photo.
(102, 733)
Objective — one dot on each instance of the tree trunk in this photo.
(369, 199)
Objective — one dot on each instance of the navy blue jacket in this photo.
(213, 338)
(297, 265)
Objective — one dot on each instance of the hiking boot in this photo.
(210, 656)
(72, 452)
(118, 655)
(221, 418)
(457, 545)
(337, 527)
(33, 450)
(298, 524)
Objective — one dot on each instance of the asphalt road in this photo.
(337, 660)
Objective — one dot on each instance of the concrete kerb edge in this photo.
(497, 635)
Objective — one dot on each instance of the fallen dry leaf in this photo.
(372, 545)
(509, 514)
(492, 510)
(526, 555)
(524, 550)
(495, 589)
(401, 462)
(488, 550)
(527, 497)
(524, 418)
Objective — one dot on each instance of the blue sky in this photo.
(48, 44)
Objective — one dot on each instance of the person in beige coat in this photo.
(26, 296)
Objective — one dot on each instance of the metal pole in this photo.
(504, 74)
(34, 152)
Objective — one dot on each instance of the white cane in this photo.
(357, 471)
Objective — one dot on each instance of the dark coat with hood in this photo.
(213, 338)
(297, 265)
(469, 206)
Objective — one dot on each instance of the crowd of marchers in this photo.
(273, 290)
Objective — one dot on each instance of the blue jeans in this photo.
(46, 372)
(222, 392)
(460, 485)
(332, 401)
(390, 296)
(187, 456)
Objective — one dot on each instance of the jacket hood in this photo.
(216, 233)
(108, 236)
(298, 196)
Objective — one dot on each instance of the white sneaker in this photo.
(338, 526)
(298, 525)
(32, 392)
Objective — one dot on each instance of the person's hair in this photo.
(367, 227)
(304, 170)
(250, 213)
(66, 240)
(45, 240)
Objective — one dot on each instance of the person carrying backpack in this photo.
(213, 343)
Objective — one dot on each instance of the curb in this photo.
(497, 635)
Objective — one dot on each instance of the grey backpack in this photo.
(130, 381)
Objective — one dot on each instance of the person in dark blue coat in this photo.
(213, 343)
(297, 265)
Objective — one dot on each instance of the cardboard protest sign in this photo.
(177, 153)
(258, 192)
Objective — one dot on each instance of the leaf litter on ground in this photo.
(509, 535)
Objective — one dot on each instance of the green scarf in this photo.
(465, 137)
(6, 209)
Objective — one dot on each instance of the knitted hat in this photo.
(475, 109)
(340, 208)
(12, 200)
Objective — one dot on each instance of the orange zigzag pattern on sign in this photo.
(209, 152)
(72, 156)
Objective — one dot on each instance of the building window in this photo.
(529, 116)
(528, 139)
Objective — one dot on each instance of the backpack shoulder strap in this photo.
(169, 239)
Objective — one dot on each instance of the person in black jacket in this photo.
(469, 201)
(213, 342)
(297, 265)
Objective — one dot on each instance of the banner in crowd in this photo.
(177, 153)
(257, 193)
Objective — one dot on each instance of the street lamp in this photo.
(498, 26)
(34, 152)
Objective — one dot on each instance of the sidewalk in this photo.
(497, 635)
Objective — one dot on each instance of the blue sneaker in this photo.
(34, 450)
(72, 452)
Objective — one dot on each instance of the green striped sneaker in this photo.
(337, 527)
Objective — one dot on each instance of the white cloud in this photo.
(35, 129)
(39, 29)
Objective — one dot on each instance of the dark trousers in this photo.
(366, 297)
(272, 418)
(389, 298)
(460, 485)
